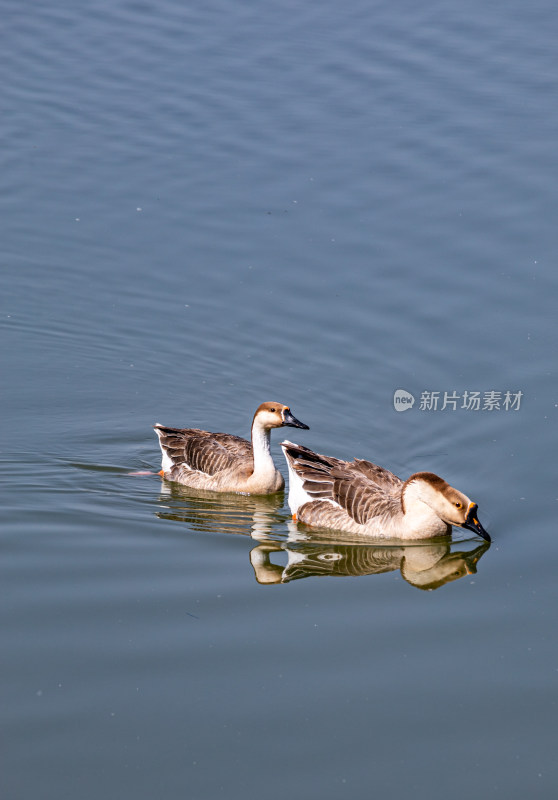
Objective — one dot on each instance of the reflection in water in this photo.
(217, 512)
(424, 565)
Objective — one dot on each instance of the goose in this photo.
(222, 462)
(362, 498)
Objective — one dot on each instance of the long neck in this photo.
(419, 517)
(263, 462)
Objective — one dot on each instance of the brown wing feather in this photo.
(314, 470)
(360, 487)
(203, 451)
(363, 500)
(378, 475)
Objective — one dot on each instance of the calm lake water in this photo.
(209, 205)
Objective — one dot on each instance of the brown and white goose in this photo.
(361, 498)
(222, 462)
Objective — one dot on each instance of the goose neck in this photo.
(419, 518)
(263, 462)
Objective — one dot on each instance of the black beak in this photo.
(472, 523)
(291, 421)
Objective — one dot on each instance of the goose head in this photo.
(451, 505)
(276, 415)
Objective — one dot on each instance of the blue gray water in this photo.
(209, 205)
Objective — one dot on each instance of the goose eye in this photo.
(272, 410)
(459, 505)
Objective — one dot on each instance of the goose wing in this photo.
(360, 488)
(379, 475)
(203, 451)
(361, 497)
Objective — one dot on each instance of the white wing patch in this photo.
(166, 461)
(297, 495)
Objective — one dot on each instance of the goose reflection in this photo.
(311, 553)
(423, 566)
(213, 512)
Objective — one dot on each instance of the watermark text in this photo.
(468, 400)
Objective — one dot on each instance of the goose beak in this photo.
(472, 523)
(292, 422)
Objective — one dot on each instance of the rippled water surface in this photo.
(209, 205)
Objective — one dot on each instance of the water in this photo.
(212, 205)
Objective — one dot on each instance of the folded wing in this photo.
(360, 488)
(202, 451)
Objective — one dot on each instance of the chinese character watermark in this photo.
(468, 400)
(512, 401)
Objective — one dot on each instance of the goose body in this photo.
(222, 462)
(361, 498)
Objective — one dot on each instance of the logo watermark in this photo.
(469, 400)
(402, 400)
